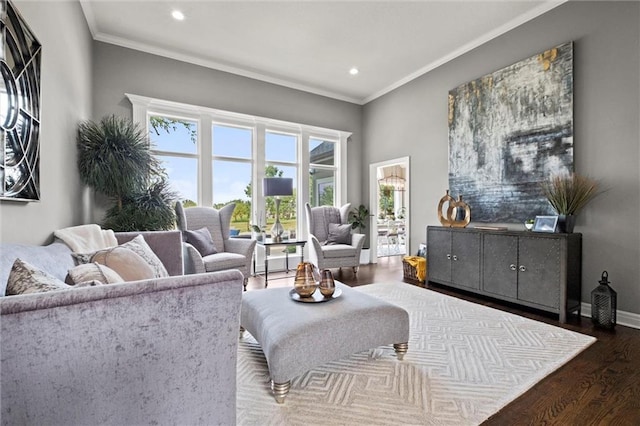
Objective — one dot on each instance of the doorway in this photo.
(390, 200)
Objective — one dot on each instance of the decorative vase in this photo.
(327, 284)
(307, 279)
(566, 223)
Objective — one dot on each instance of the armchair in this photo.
(232, 253)
(332, 255)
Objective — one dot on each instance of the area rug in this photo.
(465, 363)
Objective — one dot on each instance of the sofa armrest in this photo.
(193, 263)
(167, 245)
(241, 246)
(117, 347)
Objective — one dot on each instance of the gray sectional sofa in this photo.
(159, 351)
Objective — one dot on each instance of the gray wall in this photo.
(412, 120)
(66, 99)
(120, 70)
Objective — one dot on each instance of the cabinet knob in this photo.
(448, 257)
(522, 268)
(455, 257)
(512, 267)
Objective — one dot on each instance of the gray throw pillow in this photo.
(339, 234)
(25, 278)
(201, 240)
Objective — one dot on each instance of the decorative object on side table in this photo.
(604, 304)
(277, 187)
(458, 213)
(568, 194)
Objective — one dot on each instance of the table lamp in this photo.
(277, 187)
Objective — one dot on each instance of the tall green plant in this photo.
(359, 217)
(568, 194)
(114, 159)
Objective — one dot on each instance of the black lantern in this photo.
(603, 304)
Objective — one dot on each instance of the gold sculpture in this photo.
(454, 218)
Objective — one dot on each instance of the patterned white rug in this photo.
(465, 362)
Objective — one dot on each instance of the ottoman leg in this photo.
(280, 390)
(401, 349)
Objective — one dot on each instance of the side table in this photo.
(267, 244)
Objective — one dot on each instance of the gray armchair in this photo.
(232, 253)
(324, 253)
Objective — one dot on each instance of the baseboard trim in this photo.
(627, 319)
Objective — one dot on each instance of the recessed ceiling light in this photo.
(177, 15)
(354, 71)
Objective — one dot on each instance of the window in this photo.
(174, 142)
(322, 172)
(214, 157)
(231, 172)
(281, 161)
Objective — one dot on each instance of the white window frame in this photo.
(206, 117)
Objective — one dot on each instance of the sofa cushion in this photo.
(201, 240)
(92, 272)
(25, 278)
(339, 234)
(128, 264)
(338, 251)
(224, 260)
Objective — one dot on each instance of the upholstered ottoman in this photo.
(297, 336)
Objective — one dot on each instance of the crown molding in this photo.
(237, 70)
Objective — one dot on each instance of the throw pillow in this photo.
(339, 234)
(128, 264)
(201, 240)
(139, 246)
(25, 278)
(92, 272)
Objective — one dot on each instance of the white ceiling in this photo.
(311, 45)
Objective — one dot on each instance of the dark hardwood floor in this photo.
(600, 386)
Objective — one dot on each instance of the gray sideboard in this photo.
(538, 270)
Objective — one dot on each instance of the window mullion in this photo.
(205, 162)
(257, 198)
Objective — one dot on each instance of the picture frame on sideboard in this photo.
(545, 224)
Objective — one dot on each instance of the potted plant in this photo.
(568, 194)
(114, 159)
(359, 219)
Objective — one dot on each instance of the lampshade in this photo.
(277, 186)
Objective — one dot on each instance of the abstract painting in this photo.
(509, 131)
(20, 60)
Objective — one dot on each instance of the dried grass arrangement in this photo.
(568, 194)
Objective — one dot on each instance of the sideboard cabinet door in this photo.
(539, 272)
(500, 265)
(465, 259)
(439, 255)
